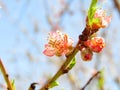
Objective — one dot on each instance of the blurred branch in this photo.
(47, 14)
(117, 4)
(73, 81)
(33, 42)
(117, 81)
(61, 13)
(3, 6)
(22, 12)
(88, 82)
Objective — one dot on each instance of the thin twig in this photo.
(88, 82)
(5, 75)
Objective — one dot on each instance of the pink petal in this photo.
(48, 52)
(70, 42)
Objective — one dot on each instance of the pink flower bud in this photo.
(86, 54)
(96, 44)
(103, 19)
(58, 44)
(100, 20)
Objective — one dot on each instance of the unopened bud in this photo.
(86, 54)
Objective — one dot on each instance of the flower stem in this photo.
(5, 75)
(61, 70)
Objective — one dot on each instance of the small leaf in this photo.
(91, 11)
(53, 84)
(101, 79)
(72, 64)
(95, 20)
(13, 84)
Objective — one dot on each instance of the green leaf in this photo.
(53, 84)
(13, 84)
(91, 11)
(101, 79)
(95, 20)
(72, 64)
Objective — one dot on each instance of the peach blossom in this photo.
(58, 44)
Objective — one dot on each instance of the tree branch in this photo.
(88, 82)
(117, 4)
(6, 76)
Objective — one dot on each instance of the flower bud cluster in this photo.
(99, 20)
(61, 44)
(95, 44)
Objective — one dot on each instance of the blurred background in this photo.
(24, 27)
